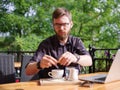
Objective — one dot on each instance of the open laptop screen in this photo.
(113, 74)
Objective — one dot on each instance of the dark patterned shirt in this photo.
(51, 46)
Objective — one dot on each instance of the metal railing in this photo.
(18, 54)
(103, 55)
(106, 56)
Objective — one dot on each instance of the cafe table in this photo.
(35, 85)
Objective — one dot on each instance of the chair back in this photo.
(24, 62)
(7, 70)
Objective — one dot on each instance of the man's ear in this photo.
(71, 24)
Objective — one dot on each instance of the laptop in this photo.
(112, 75)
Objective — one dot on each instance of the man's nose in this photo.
(62, 27)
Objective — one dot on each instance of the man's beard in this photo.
(63, 37)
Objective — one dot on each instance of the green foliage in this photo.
(95, 22)
(28, 43)
(31, 42)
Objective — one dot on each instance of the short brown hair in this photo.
(61, 12)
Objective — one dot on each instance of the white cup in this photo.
(71, 73)
(56, 73)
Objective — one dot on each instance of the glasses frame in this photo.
(61, 24)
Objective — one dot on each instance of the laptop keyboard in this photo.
(101, 78)
(97, 78)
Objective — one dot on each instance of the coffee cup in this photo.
(56, 73)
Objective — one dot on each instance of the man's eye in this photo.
(61, 24)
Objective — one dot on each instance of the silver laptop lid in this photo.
(114, 72)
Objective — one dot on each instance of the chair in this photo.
(7, 70)
(24, 77)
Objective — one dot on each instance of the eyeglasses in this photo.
(61, 24)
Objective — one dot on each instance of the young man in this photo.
(60, 50)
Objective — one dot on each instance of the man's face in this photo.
(62, 27)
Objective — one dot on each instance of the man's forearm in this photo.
(31, 68)
(85, 60)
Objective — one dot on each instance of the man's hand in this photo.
(67, 58)
(47, 61)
